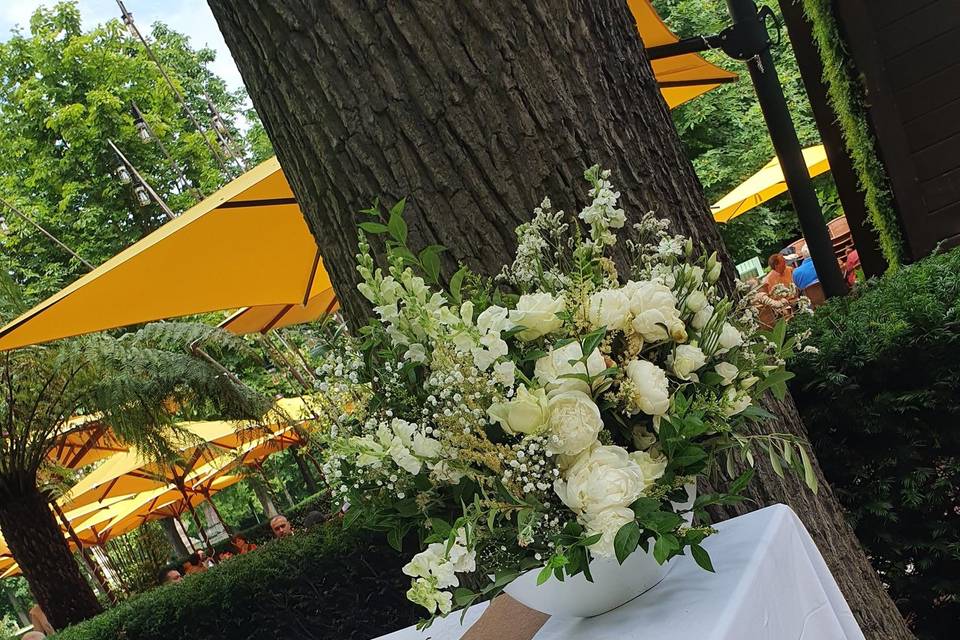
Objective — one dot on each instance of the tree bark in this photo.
(172, 534)
(35, 539)
(308, 479)
(262, 492)
(475, 111)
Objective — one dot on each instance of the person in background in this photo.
(806, 274)
(169, 576)
(39, 621)
(194, 564)
(33, 635)
(780, 274)
(280, 526)
(850, 266)
(313, 518)
(241, 546)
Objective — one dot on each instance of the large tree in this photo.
(474, 111)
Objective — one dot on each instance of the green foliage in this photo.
(326, 583)
(138, 556)
(881, 404)
(846, 95)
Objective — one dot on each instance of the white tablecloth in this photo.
(770, 583)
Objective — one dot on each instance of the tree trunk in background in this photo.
(172, 534)
(262, 492)
(476, 111)
(35, 539)
(308, 479)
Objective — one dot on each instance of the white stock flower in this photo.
(685, 360)
(696, 301)
(607, 523)
(726, 371)
(425, 446)
(505, 373)
(550, 369)
(604, 476)
(574, 422)
(702, 317)
(537, 313)
(527, 412)
(609, 308)
(493, 319)
(729, 338)
(651, 392)
(654, 309)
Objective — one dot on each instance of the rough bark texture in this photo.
(475, 111)
(34, 538)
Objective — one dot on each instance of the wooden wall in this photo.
(908, 52)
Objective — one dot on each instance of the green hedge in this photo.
(322, 583)
(881, 401)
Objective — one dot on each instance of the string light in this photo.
(143, 130)
(143, 198)
(123, 174)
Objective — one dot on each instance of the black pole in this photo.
(749, 21)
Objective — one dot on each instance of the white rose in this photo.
(574, 421)
(493, 320)
(609, 308)
(687, 359)
(696, 301)
(651, 392)
(550, 369)
(651, 467)
(654, 310)
(607, 523)
(726, 371)
(702, 317)
(527, 412)
(537, 313)
(729, 338)
(735, 402)
(603, 476)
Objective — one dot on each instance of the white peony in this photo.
(537, 313)
(654, 309)
(702, 317)
(685, 360)
(607, 523)
(696, 301)
(526, 412)
(550, 369)
(574, 422)
(726, 371)
(651, 467)
(609, 308)
(730, 338)
(603, 476)
(651, 393)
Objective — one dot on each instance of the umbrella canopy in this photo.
(681, 78)
(83, 441)
(765, 184)
(274, 316)
(247, 244)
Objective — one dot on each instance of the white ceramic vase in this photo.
(613, 584)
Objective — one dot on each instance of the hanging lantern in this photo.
(143, 198)
(218, 124)
(123, 174)
(143, 130)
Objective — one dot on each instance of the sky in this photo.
(191, 17)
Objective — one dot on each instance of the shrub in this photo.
(322, 583)
(881, 401)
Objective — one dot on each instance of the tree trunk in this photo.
(39, 547)
(172, 534)
(262, 492)
(308, 479)
(475, 111)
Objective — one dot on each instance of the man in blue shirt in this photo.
(805, 275)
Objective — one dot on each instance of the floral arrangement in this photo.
(553, 415)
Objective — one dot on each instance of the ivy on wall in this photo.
(846, 96)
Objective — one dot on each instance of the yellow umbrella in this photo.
(765, 184)
(82, 441)
(681, 78)
(274, 316)
(247, 244)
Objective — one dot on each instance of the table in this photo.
(771, 583)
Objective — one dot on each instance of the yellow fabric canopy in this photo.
(274, 316)
(247, 244)
(765, 184)
(82, 441)
(681, 78)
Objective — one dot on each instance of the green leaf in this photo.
(395, 539)
(664, 546)
(397, 226)
(688, 456)
(775, 461)
(808, 475)
(373, 227)
(662, 521)
(644, 506)
(440, 527)
(626, 540)
(592, 340)
(738, 485)
(702, 557)
(430, 261)
(779, 333)
(456, 283)
(544, 575)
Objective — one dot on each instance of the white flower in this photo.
(652, 468)
(416, 353)
(425, 446)
(607, 523)
(729, 338)
(654, 309)
(550, 369)
(493, 320)
(527, 412)
(537, 313)
(735, 402)
(726, 371)
(574, 421)
(685, 360)
(492, 347)
(651, 392)
(696, 301)
(603, 476)
(504, 373)
(702, 317)
(609, 308)
(404, 459)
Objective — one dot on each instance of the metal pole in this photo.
(128, 20)
(91, 564)
(49, 235)
(146, 185)
(787, 146)
(174, 165)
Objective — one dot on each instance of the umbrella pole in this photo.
(279, 358)
(186, 535)
(213, 505)
(92, 565)
(196, 518)
(295, 352)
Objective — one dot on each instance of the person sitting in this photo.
(850, 266)
(241, 546)
(33, 635)
(313, 518)
(223, 556)
(39, 621)
(280, 526)
(780, 274)
(169, 576)
(194, 564)
(806, 274)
